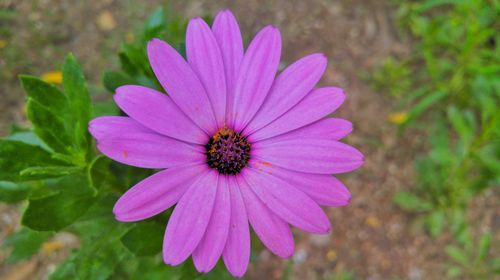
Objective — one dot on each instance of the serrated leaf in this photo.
(75, 89)
(44, 93)
(13, 192)
(145, 239)
(16, 156)
(59, 210)
(49, 126)
(25, 243)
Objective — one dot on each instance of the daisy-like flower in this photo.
(237, 146)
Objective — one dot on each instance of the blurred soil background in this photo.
(371, 238)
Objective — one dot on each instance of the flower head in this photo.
(237, 145)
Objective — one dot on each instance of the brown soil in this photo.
(371, 237)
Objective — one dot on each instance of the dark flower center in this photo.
(227, 151)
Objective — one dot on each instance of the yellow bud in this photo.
(51, 246)
(373, 221)
(398, 117)
(3, 44)
(54, 77)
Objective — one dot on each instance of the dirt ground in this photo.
(371, 237)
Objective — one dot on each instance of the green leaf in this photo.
(484, 246)
(11, 192)
(59, 210)
(435, 222)
(456, 254)
(155, 24)
(454, 272)
(75, 89)
(28, 137)
(105, 108)
(425, 103)
(16, 156)
(113, 80)
(411, 202)
(25, 243)
(44, 93)
(145, 239)
(460, 124)
(49, 126)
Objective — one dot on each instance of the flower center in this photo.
(227, 151)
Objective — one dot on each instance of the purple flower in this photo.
(238, 145)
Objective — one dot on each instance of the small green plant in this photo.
(472, 260)
(453, 96)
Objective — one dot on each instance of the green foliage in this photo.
(16, 157)
(453, 95)
(472, 260)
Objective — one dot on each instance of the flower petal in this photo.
(256, 75)
(327, 128)
(182, 84)
(290, 204)
(189, 220)
(150, 150)
(324, 189)
(228, 36)
(101, 127)
(316, 105)
(205, 58)
(270, 229)
(309, 155)
(236, 254)
(158, 112)
(288, 89)
(156, 193)
(206, 255)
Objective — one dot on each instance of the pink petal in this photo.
(156, 193)
(309, 155)
(324, 189)
(288, 89)
(182, 84)
(327, 128)
(290, 204)
(205, 58)
(150, 150)
(236, 254)
(206, 255)
(101, 127)
(189, 220)
(158, 112)
(316, 105)
(271, 230)
(256, 75)
(228, 36)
